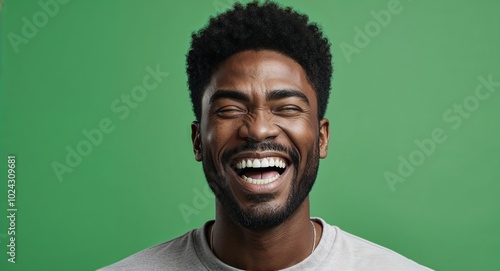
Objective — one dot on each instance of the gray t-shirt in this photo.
(337, 250)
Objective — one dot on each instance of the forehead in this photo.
(256, 72)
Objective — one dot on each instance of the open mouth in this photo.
(260, 170)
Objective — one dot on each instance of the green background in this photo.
(128, 192)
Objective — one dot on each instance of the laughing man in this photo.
(259, 80)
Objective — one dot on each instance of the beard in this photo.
(261, 215)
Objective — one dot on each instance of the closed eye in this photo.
(289, 110)
(230, 111)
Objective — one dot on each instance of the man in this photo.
(259, 79)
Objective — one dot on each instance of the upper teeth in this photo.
(260, 163)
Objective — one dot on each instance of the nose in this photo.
(259, 126)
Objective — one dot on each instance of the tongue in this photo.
(261, 175)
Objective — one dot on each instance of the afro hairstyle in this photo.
(256, 27)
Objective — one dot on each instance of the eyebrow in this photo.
(272, 95)
(286, 93)
(229, 94)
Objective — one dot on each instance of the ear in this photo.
(324, 137)
(196, 139)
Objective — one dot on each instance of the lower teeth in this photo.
(260, 181)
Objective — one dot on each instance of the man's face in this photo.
(259, 137)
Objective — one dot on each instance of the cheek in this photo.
(303, 136)
(218, 135)
(301, 131)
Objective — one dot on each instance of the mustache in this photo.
(261, 146)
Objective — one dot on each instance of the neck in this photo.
(280, 247)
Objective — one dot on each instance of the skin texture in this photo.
(246, 114)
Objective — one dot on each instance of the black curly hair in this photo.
(255, 27)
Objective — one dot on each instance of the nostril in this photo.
(258, 133)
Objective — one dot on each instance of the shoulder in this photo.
(176, 254)
(361, 254)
